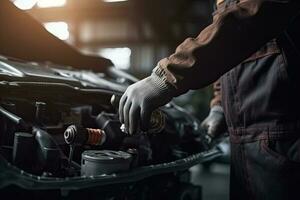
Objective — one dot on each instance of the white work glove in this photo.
(215, 123)
(141, 99)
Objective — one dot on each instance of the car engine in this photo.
(60, 130)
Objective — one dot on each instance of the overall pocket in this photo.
(283, 152)
(272, 168)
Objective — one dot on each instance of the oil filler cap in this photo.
(98, 162)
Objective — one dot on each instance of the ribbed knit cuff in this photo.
(217, 108)
(161, 82)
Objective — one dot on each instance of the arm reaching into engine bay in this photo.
(25, 38)
(236, 33)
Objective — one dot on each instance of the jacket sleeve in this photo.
(236, 33)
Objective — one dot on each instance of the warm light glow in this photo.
(25, 4)
(119, 56)
(59, 29)
(112, 1)
(50, 3)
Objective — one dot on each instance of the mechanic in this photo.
(251, 47)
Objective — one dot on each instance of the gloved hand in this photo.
(215, 123)
(141, 99)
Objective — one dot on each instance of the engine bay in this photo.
(60, 128)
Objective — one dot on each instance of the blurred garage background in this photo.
(135, 35)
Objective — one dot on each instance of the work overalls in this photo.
(261, 106)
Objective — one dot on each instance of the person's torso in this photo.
(262, 92)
